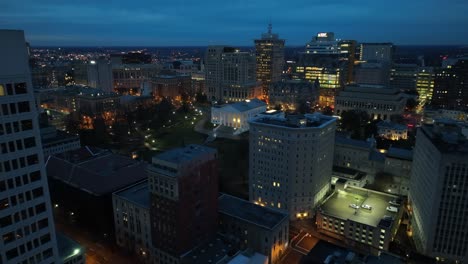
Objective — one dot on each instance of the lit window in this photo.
(2, 90)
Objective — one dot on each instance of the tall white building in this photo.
(26, 223)
(439, 191)
(291, 162)
(230, 74)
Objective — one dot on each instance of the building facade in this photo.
(184, 185)
(236, 115)
(392, 131)
(451, 86)
(100, 75)
(377, 51)
(26, 222)
(290, 94)
(378, 101)
(425, 84)
(438, 191)
(403, 76)
(269, 51)
(230, 75)
(261, 229)
(132, 220)
(330, 70)
(290, 162)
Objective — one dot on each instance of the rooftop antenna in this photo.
(269, 27)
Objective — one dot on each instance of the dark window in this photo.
(8, 128)
(19, 144)
(23, 107)
(2, 186)
(13, 108)
(16, 127)
(43, 223)
(35, 176)
(26, 125)
(38, 192)
(11, 254)
(29, 142)
(5, 109)
(32, 159)
(40, 208)
(20, 88)
(4, 148)
(45, 238)
(9, 88)
(5, 221)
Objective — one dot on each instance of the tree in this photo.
(355, 122)
(327, 111)
(411, 104)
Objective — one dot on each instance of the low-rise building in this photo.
(82, 181)
(364, 219)
(430, 114)
(262, 229)
(392, 131)
(56, 141)
(378, 101)
(236, 115)
(174, 86)
(350, 176)
(290, 94)
(398, 163)
(132, 220)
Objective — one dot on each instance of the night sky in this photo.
(205, 22)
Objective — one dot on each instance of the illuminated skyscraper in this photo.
(328, 61)
(377, 52)
(270, 59)
(26, 223)
(425, 84)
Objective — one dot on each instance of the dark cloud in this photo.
(236, 22)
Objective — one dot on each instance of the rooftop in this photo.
(244, 105)
(315, 120)
(448, 136)
(185, 154)
(400, 153)
(214, 251)
(337, 205)
(136, 194)
(352, 142)
(250, 212)
(95, 171)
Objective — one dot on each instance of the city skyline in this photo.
(143, 23)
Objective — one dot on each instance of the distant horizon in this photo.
(241, 46)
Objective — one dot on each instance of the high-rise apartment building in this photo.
(377, 51)
(270, 59)
(451, 86)
(230, 74)
(439, 191)
(26, 223)
(290, 162)
(184, 200)
(425, 84)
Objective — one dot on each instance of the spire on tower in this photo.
(269, 27)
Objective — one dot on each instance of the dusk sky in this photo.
(205, 22)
